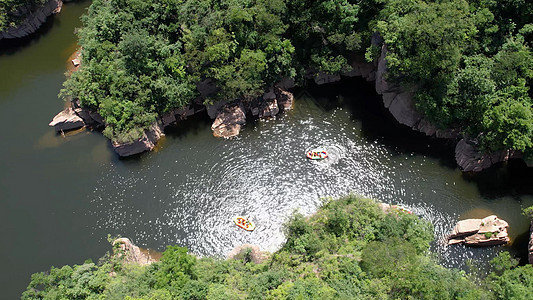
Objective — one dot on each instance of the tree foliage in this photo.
(349, 249)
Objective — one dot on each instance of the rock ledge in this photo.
(490, 231)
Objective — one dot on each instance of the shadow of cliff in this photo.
(366, 107)
(512, 178)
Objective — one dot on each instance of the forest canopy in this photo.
(470, 61)
(349, 249)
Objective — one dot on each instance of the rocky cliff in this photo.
(35, 18)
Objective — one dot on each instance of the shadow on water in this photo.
(512, 179)
(11, 46)
(378, 125)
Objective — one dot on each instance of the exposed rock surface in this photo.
(132, 254)
(228, 121)
(490, 231)
(91, 118)
(33, 21)
(67, 120)
(471, 159)
(255, 255)
(400, 102)
(178, 114)
(269, 105)
(147, 141)
(285, 99)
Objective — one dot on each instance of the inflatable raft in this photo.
(244, 223)
(317, 154)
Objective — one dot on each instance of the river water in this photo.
(61, 196)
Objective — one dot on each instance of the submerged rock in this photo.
(490, 231)
(67, 120)
(229, 121)
(146, 142)
(132, 254)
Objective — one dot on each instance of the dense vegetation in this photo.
(469, 60)
(349, 249)
(14, 11)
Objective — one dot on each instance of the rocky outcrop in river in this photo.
(146, 142)
(228, 121)
(132, 254)
(471, 159)
(35, 18)
(67, 120)
(490, 231)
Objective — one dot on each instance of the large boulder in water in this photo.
(229, 121)
(146, 142)
(490, 231)
(67, 120)
(471, 159)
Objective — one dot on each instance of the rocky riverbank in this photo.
(230, 116)
(35, 17)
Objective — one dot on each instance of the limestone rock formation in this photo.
(132, 254)
(33, 21)
(228, 121)
(249, 252)
(67, 120)
(471, 159)
(146, 142)
(490, 231)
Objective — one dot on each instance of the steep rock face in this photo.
(400, 102)
(229, 121)
(67, 120)
(132, 254)
(147, 141)
(33, 21)
(471, 159)
(490, 231)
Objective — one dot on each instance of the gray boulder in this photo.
(67, 120)
(228, 121)
(146, 142)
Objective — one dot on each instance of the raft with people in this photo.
(317, 154)
(244, 223)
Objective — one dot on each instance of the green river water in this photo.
(61, 196)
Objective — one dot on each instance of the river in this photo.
(61, 196)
